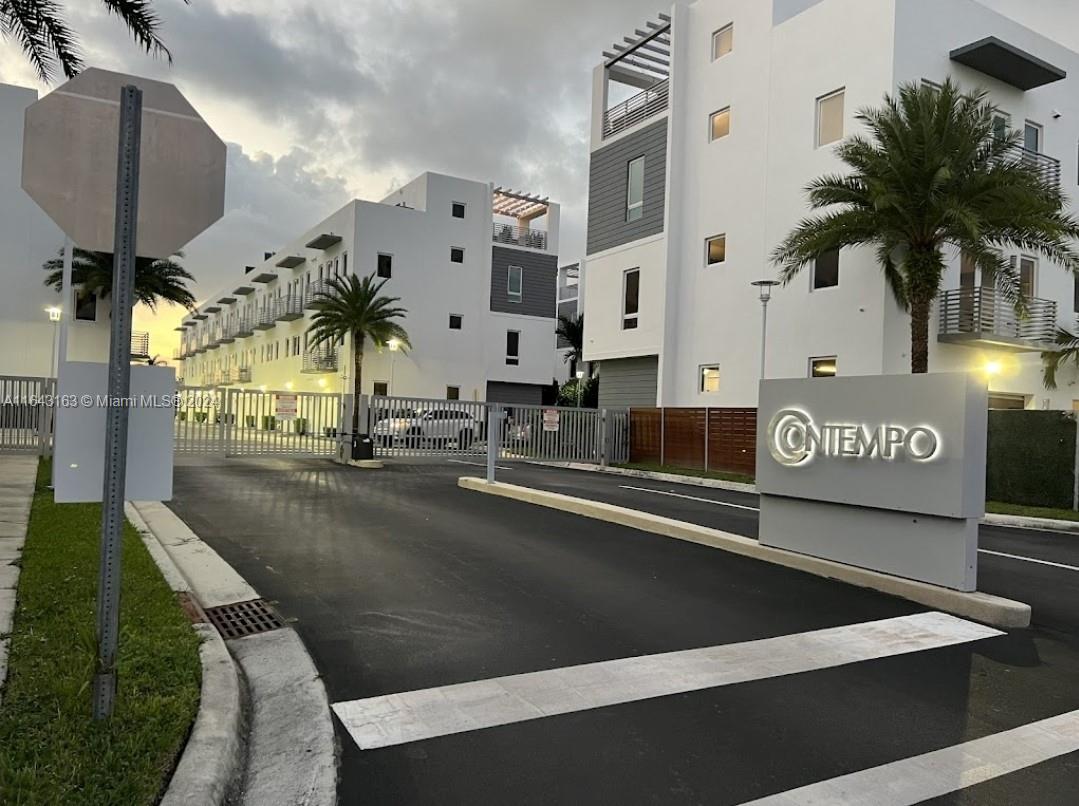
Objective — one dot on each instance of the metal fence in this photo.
(26, 414)
(250, 422)
(406, 426)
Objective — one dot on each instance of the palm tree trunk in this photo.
(919, 336)
(357, 380)
(924, 269)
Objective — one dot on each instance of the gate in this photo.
(26, 414)
(250, 422)
(418, 427)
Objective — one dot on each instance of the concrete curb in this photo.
(18, 475)
(1023, 522)
(291, 746)
(981, 607)
(670, 478)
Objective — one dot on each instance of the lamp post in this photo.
(395, 346)
(580, 384)
(765, 287)
(55, 315)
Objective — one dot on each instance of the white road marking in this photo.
(919, 778)
(414, 715)
(690, 498)
(1029, 559)
(476, 464)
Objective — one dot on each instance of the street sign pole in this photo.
(123, 292)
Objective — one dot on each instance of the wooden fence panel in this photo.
(698, 439)
(732, 440)
(683, 438)
(645, 436)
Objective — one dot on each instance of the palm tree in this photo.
(1067, 352)
(932, 174)
(354, 309)
(39, 28)
(155, 280)
(571, 330)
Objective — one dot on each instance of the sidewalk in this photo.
(17, 474)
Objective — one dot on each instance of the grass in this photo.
(687, 471)
(998, 508)
(51, 752)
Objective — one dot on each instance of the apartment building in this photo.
(708, 122)
(29, 238)
(476, 267)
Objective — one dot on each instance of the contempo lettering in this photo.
(794, 440)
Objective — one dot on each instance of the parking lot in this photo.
(399, 581)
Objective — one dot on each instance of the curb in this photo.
(291, 746)
(671, 478)
(17, 492)
(212, 760)
(981, 607)
(1023, 522)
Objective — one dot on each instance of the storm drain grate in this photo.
(244, 618)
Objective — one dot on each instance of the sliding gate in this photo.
(417, 427)
(251, 422)
(26, 414)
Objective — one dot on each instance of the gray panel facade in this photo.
(608, 186)
(540, 288)
(523, 394)
(629, 382)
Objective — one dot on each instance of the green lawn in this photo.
(684, 471)
(998, 508)
(50, 750)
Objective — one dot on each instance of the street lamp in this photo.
(55, 315)
(765, 287)
(580, 385)
(395, 346)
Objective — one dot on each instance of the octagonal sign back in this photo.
(69, 163)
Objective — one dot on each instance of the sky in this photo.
(322, 101)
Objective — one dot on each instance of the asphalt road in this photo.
(399, 580)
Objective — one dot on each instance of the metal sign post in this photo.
(123, 292)
(494, 434)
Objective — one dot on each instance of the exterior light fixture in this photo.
(55, 313)
(765, 288)
(993, 368)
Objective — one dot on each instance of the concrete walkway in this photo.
(17, 474)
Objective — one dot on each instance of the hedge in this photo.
(1031, 458)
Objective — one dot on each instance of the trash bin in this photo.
(363, 449)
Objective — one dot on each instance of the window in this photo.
(515, 280)
(457, 255)
(830, 118)
(85, 305)
(453, 393)
(823, 367)
(720, 124)
(631, 299)
(381, 389)
(1002, 124)
(458, 210)
(344, 263)
(1032, 137)
(716, 249)
(709, 379)
(385, 265)
(513, 348)
(635, 190)
(723, 42)
(456, 320)
(1028, 275)
(826, 270)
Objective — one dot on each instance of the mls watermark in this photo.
(101, 401)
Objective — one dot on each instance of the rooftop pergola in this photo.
(644, 59)
(522, 206)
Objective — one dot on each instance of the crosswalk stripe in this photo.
(919, 778)
(427, 713)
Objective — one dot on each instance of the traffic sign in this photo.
(70, 161)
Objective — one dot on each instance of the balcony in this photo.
(1044, 166)
(289, 309)
(243, 375)
(314, 291)
(228, 333)
(245, 327)
(320, 361)
(519, 236)
(981, 317)
(140, 345)
(264, 319)
(640, 107)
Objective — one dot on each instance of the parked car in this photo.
(427, 428)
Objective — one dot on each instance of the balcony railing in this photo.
(140, 344)
(319, 362)
(520, 236)
(245, 326)
(640, 107)
(265, 318)
(314, 291)
(243, 375)
(289, 309)
(984, 315)
(1048, 168)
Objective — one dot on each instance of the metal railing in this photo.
(289, 308)
(265, 318)
(319, 362)
(314, 291)
(519, 236)
(1048, 168)
(140, 344)
(985, 313)
(243, 375)
(640, 107)
(26, 414)
(245, 326)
